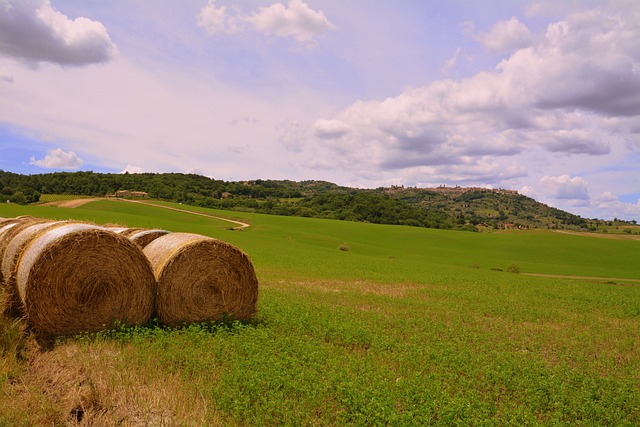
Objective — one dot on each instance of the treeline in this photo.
(354, 205)
(319, 199)
(183, 188)
(455, 208)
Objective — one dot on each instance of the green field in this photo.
(359, 324)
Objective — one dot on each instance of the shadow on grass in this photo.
(123, 333)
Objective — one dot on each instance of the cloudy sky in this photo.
(538, 96)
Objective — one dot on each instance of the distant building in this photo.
(129, 193)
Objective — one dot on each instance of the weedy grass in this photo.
(396, 331)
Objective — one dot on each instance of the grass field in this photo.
(359, 324)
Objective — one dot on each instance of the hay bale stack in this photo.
(7, 221)
(8, 232)
(131, 230)
(116, 228)
(201, 279)
(81, 277)
(143, 237)
(13, 305)
(123, 231)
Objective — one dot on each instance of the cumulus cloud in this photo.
(58, 159)
(572, 91)
(565, 187)
(608, 205)
(33, 31)
(296, 20)
(218, 19)
(132, 169)
(330, 128)
(506, 36)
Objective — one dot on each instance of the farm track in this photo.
(72, 203)
(600, 235)
(79, 202)
(562, 276)
(240, 225)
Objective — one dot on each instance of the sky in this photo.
(542, 97)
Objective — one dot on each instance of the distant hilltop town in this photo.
(129, 193)
(457, 191)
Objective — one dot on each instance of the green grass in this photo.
(398, 330)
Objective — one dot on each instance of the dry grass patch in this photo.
(359, 286)
(100, 384)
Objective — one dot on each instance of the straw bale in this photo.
(123, 231)
(116, 229)
(81, 277)
(7, 221)
(144, 237)
(13, 305)
(131, 230)
(8, 232)
(201, 279)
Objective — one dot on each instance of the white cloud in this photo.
(609, 206)
(218, 19)
(295, 20)
(34, 31)
(132, 169)
(330, 128)
(506, 36)
(58, 159)
(565, 187)
(573, 92)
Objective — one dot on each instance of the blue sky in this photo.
(538, 96)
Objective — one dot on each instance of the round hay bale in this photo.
(7, 221)
(116, 229)
(83, 278)
(131, 230)
(6, 226)
(201, 279)
(8, 232)
(13, 305)
(144, 237)
(123, 231)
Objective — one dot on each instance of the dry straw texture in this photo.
(8, 232)
(201, 279)
(13, 305)
(116, 229)
(132, 230)
(7, 221)
(80, 277)
(144, 237)
(124, 231)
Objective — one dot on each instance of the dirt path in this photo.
(79, 202)
(562, 276)
(600, 235)
(71, 203)
(239, 225)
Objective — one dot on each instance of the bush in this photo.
(513, 268)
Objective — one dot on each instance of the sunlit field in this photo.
(358, 324)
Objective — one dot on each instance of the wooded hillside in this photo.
(444, 207)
